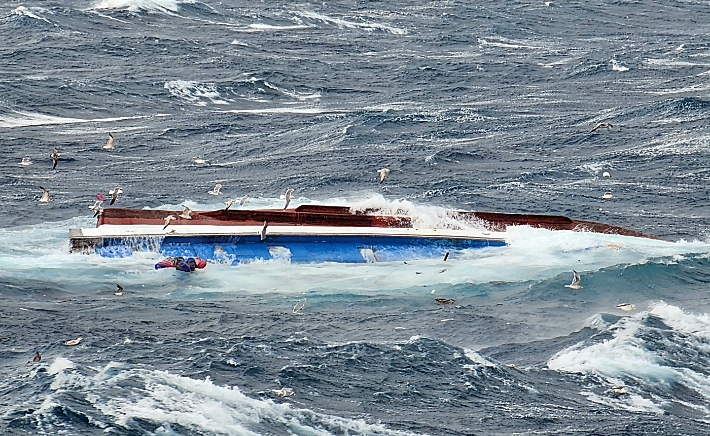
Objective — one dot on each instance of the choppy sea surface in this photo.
(471, 105)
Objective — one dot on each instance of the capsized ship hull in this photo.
(306, 234)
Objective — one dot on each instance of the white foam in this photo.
(616, 66)
(126, 393)
(293, 94)
(32, 12)
(163, 6)
(628, 355)
(194, 92)
(24, 119)
(351, 24)
(260, 27)
(60, 364)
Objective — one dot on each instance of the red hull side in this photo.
(341, 216)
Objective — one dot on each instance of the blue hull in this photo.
(348, 249)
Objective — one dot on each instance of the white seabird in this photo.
(606, 174)
(263, 231)
(383, 173)
(55, 158)
(73, 342)
(626, 307)
(109, 143)
(243, 200)
(97, 205)
(200, 161)
(298, 307)
(45, 195)
(575, 281)
(601, 125)
(229, 204)
(186, 213)
(284, 392)
(168, 220)
(606, 196)
(26, 161)
(216, 189)
(114, 194)
(288, 197)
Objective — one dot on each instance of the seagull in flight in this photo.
(383, 173)
(263, 231)
(109, 143)
(114, 194)
(575, 281)
(243, 200)
(288, 197)
(55, 158)
(186, 213)
(216, 189)
(168, 220)
(601, 125)
(45, 195)
(26, 161)
(229, 204)
(97, 205)
(284, 392)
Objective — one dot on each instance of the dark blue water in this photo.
(484, 106)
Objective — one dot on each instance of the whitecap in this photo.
(351, 24)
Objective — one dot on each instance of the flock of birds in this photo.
(97, 206)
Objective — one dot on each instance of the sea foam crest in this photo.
(32, 12)
(162, 6)
(351, 24)
(194, 92)
(423, 216)
(648, 349)
(123, 394)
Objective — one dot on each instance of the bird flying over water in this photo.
(96, 207)
(55, 157)
(114, 194)
(26, 161)
(284, 392)
(626, 307)
(216, 189)
(45, 195)
(229, 204)
(243, 200)
(109, 143)
(263, 231)
(383, 173)
(288, 197)
(186, 213)
(168, 220)
(601, 125)
(575, 281)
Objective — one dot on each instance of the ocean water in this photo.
(472, 105)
